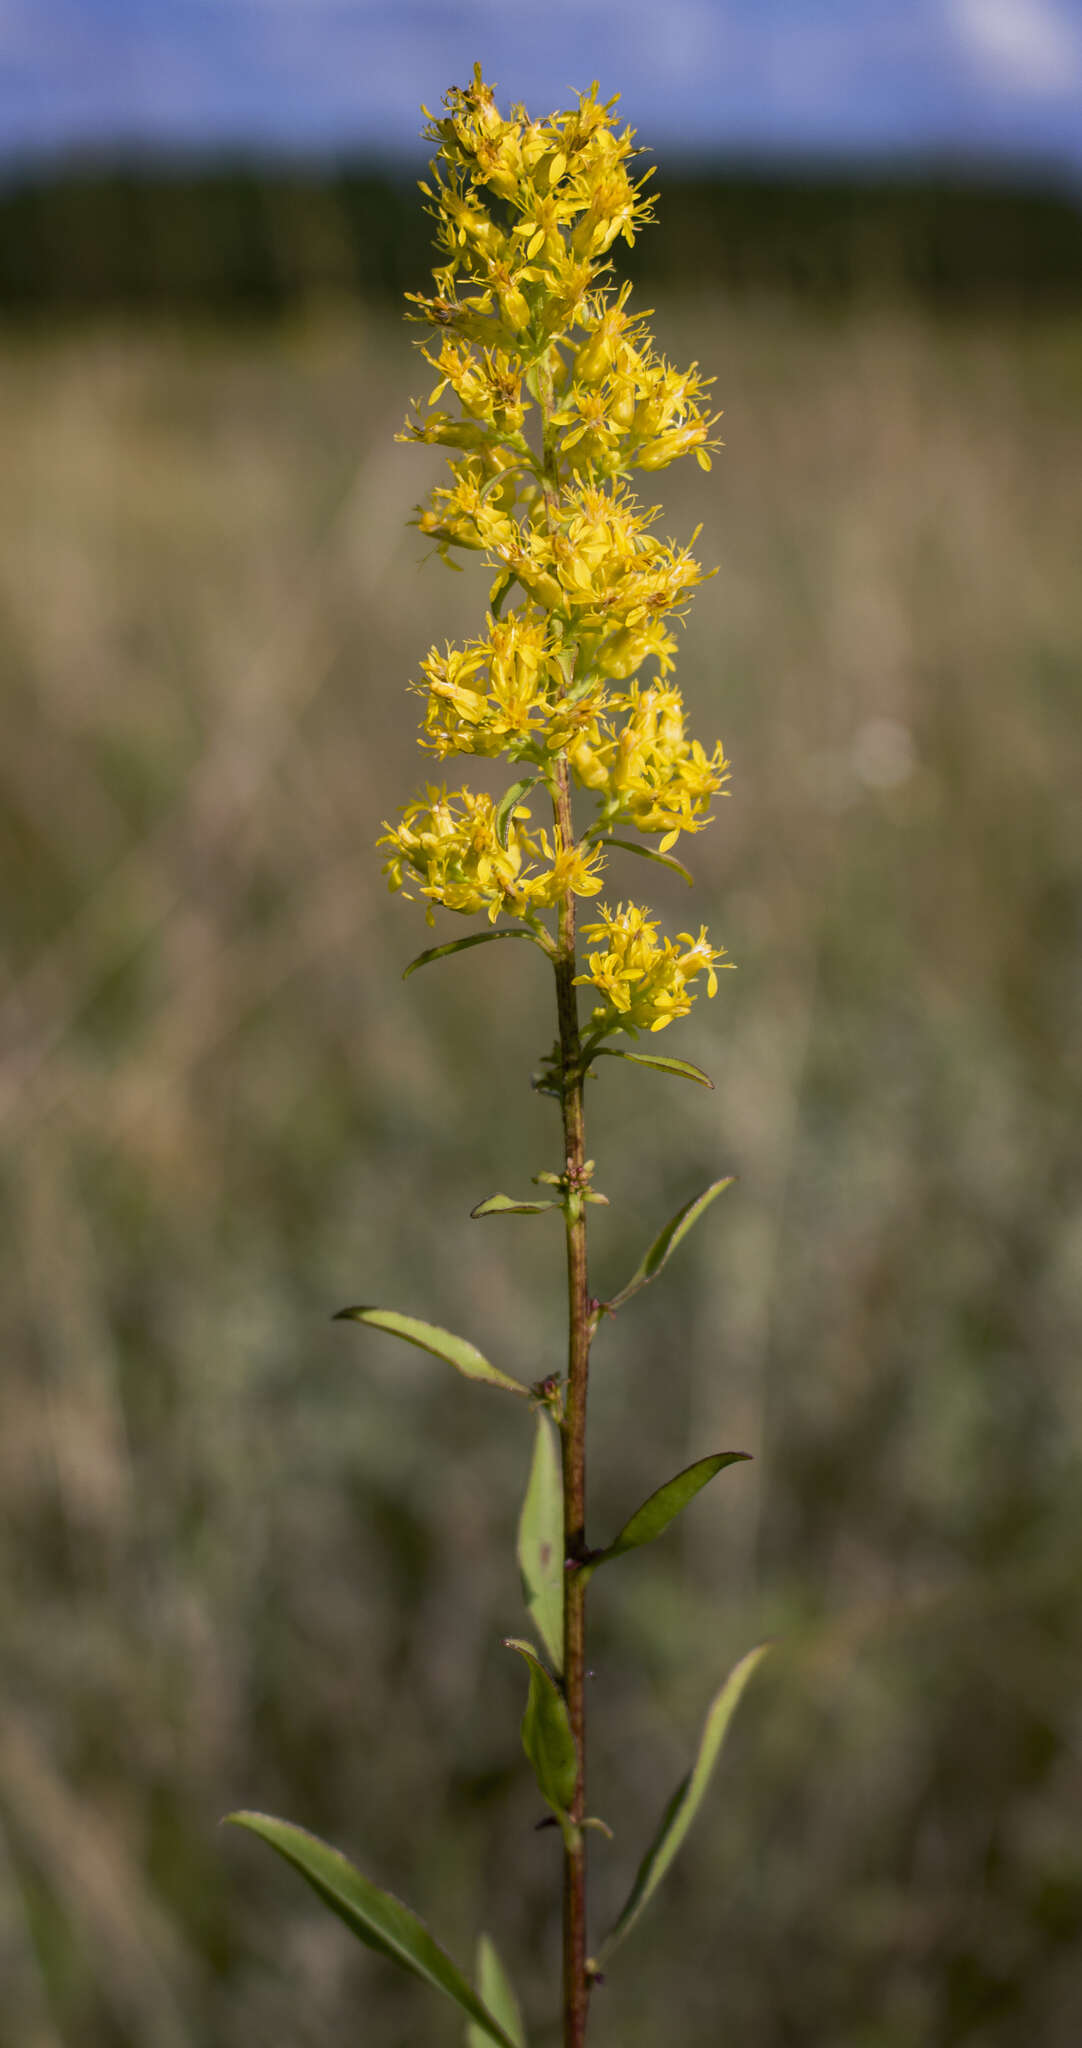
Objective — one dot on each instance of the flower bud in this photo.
(667, 448)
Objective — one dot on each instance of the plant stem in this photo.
(576, 1984)
(576, 1989)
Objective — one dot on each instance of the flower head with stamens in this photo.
(645, 983)
(645, 771)
(451, 849)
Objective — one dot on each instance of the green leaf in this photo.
(497, 1994)
(663, 1247)
(499, 591)
(377, 1918)
(664, 860)
(541, 1542)
(664, 1064)
(463, 946)
(546, 1734)
(686, 1800)
(465, 1358)
(662, 1507)
(505, 807)
(506, 1205)
(575, 691)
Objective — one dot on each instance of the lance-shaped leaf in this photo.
(575, 692)
(498, 593)
(541, 1542)
(663, 1247)
(683, 1069)
(506, 1205)
(377, 1918)
(686, 1800)
(546, 1734)
(497, 1995)
(664, 860)
(463, 946)
(465, 1357)
(505, 809)
(662, 1507)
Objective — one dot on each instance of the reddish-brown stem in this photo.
(576, 1983)
(576, 1988)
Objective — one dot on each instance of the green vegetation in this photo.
(244, 238)
(234, 1573)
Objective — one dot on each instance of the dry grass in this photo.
(254, 1559)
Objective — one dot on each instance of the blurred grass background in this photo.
(254, 1559)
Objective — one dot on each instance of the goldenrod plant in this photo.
(551, 395)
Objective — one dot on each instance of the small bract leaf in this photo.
(541, 1542)
(497, 1995)
(664, 860)
(505, 808)
(465, 1357)
(576, 691)
(664, 1064)
(662, 1507)
(686, 1800)
(463, 946)
(377, 1918)
(546, 1734)
(499, 591)
(663, 1247)
(506, 1205)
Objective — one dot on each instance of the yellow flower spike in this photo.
(585, 591)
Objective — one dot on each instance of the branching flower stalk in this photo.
(559, 397)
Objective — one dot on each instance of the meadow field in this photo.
(253, 1558)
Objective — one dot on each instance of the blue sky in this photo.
(984, 77)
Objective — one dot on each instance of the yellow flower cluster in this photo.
(454, 848)
(645, 984)
(549, 394)
(591, 560)
(505, 693)
(646, 773)
(565, 184)
(621, 404)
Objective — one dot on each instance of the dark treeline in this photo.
(256, 239)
